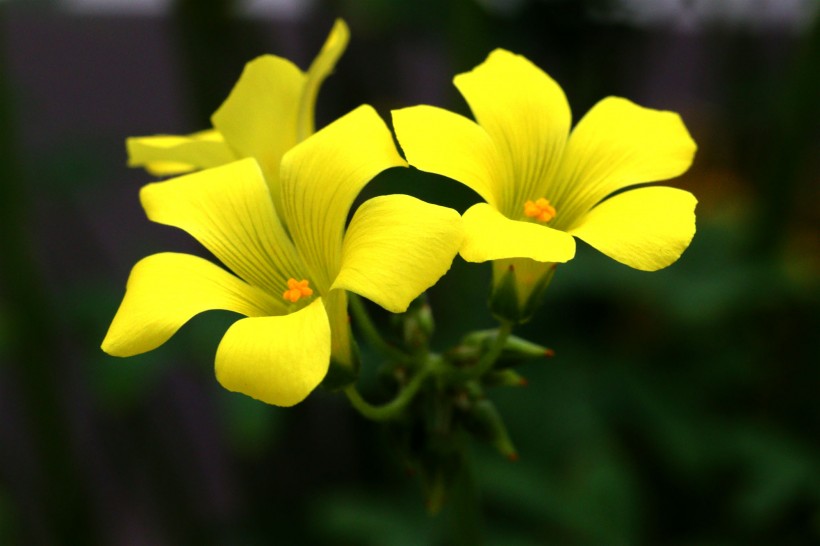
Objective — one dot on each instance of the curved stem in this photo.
(369, 330)
(391, 409)
(488, 359)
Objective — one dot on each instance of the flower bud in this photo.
(503, 378)
(518, 288)
(516, 349)
(416, 325)
(484, 421)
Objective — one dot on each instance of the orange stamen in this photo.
(540, 209)
(297, 290)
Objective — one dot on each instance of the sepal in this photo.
(519, 287)
(539, 290)
(504, 297)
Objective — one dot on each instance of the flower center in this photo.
(540, 209)
(297, 290)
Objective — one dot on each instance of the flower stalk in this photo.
(371, 333)
(395, 408)
(489, 358)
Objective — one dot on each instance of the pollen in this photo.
(540, 209)
(297, 290)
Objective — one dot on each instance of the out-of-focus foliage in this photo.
(681, 407)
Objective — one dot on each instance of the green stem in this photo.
(465, 510)
(485, 364)
(391, 409)
(371, 333)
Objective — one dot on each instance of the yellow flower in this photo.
(288, 272)
(544, 185)
(269, 110)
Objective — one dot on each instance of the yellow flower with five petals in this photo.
(269, 110)
(288, 272)
(543, 184)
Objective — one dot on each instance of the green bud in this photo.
(516, 349)
(471, 348)
(504, 378)
(484, 421)
(463, 354)
(417, 324)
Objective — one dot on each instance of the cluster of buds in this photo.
(451, 403)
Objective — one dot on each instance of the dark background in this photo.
(681, 408)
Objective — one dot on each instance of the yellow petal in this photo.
(278, 360)
(271, 107)
(228, 209)
(618, 144)
(441, 142)
(165, 155)
(166, 290)
(489, 235)
(320, 69)
(322, 176)
(645, 228)
(396, 248)
(527, 116)
(258, 119)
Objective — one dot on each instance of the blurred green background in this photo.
(681, 408)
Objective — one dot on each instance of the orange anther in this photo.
(540, 209)
(297, 290)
